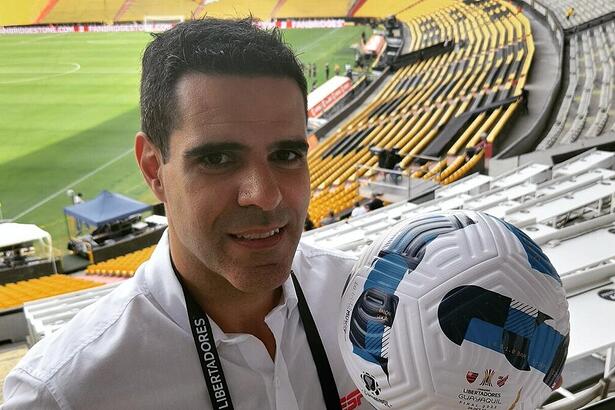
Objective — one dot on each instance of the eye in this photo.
(286, 158)
(287, 155)
(216, 159)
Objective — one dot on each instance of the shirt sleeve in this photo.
(23, 391)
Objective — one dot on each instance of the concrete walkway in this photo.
(541, 82)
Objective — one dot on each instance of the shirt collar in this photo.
(162, 283)
(289, 296)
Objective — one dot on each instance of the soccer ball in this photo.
(454, 310)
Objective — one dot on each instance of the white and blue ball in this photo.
(454, 310)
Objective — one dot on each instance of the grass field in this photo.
(69, 112)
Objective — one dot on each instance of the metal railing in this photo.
(383, 180)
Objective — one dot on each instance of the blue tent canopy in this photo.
(106, 207)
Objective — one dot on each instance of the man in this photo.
(358, 210)
(214, 318)
(78, 199)
(375, 203)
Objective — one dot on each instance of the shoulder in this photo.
(322, 272)
(56, 351)
(321, 261)
(310, 250)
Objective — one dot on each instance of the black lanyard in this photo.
(212, 367)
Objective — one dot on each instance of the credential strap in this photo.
(208, 354)
(212, 367)
(323, 368)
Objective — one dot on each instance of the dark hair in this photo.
(209, 46)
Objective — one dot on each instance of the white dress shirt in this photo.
(134, 348)
(358, 211)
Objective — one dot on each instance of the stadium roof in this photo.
(106, 207)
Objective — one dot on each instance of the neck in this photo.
(231, 309)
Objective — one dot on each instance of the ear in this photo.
(150, 162)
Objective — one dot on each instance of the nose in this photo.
(259, 187)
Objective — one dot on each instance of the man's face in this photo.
(236, 182)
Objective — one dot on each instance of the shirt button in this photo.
(276, 381)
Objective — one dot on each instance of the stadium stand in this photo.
(76, 11)
(14, 295)
(587, 222)
(108, 12)
(310, 8)
(586, 109)
(16, 13)
(46, 316)
(439, 108)
(569, 210)
(440, 113)
(138, 10)
(124, 266)
(403, 10)
(596, 243)
(584, 11)
(261, 9)
(532, 195)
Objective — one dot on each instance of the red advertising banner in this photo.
(327, 95)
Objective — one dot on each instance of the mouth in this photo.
(257, 235)
(258, 239)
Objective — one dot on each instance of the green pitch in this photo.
(69, 112)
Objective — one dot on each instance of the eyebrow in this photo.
(207, 148)
(292, 144)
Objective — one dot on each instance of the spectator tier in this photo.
(440, 107)
(13, 295)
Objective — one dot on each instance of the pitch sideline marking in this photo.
(76, 67)
(72, 184)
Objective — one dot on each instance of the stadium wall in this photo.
(20, 12)
(527, 142)
(29, 271)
